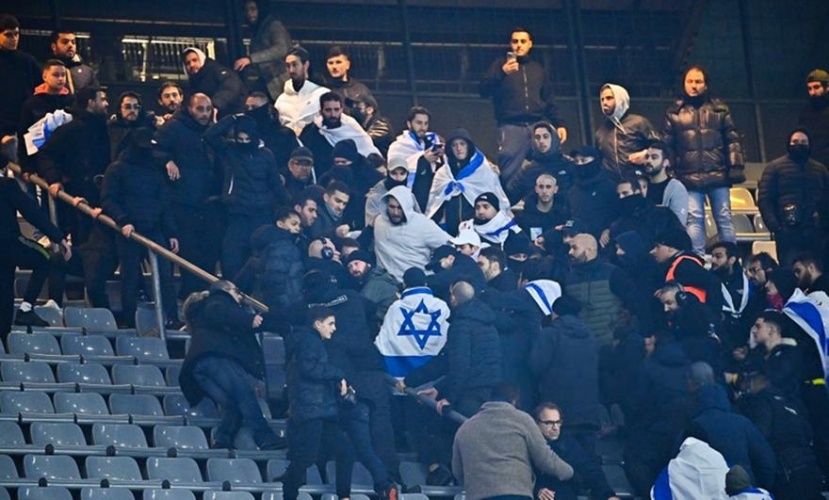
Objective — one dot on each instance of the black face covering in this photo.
(391, 183)
(589, 170)
(248, 147)
(357, 115)
(630, 204)
(799, 152)
(261, 114)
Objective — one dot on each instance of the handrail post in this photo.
(159, 311)
(53, 212)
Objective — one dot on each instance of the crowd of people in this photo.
(519, 291)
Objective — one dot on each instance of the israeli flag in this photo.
(41, 130)
(811, 313)
(413, 331)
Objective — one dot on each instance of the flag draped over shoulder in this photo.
(413, 331)
(811, 314)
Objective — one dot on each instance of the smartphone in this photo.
(512, 56)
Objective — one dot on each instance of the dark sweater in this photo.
(21, 74)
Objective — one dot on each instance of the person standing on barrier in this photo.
(15, 250)
(195, 187)
(136, 196)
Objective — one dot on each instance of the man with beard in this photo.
(352, 169)
(338, 64)
(416, 143)
(815, 114)
(809, 273)
(195, 186)
(396, 175)
(306, 205)
(593, 200)
(792, 196)
(364, 109)
(22, 74)
(170, 97)
(624, 137)
(664, 190)
(499, 277)
(130, 116)
(329, 128)
(404, 238)
(299, 103)
(278, 138)
(300, 172)
(637, 214)
(758, 267)
(375, 284)
(269, 44)
(79, 75)
(709, 152)
(543, 209)
(335, 199)
(743, 303)
(466, 175)
(545, 157)
(223, 86)
(494, 225)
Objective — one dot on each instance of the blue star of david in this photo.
(420, 336)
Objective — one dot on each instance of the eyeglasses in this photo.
(131, 106)
(551, 423)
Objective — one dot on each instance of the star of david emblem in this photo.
(421, 336)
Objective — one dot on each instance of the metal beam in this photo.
(407, 46)
(748, 56)
(689, 35)
(576, 41)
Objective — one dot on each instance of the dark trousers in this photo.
(236, 248)
(100, 260)
(371, 386)
(794, 240)
(801, 484)
(131, 254)
(26, 254)
(354, 420)
(305, 440)
(514, 144)
(200, 231)
(228, 384)
(816, 400)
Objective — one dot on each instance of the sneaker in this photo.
(51, 303)
(29, 318)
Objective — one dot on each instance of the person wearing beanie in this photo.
(814, 115)
(331, 126)
(397, 174)
(224, 87)
(374, 283)
(493, 221)
(791, 196)
(592, 199)
(252, 188)
(355, 171)
(738, 486)
(299, 172)
(546, 157)
(709, 155)
(456, 185)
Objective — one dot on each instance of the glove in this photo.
(736, 174)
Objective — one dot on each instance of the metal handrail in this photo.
(431, 403)
(154, 248)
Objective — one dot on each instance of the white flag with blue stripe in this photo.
(413, 331)
(811, 313)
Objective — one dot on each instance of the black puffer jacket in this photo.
(707, 145)
(312, 379)
(785, 182)
(135, 192)
(226, 90)
(523, 97)
(119, 131)
(221, 328)
(616, 146)
(280, 270)
(180, 140)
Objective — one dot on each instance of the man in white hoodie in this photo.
(404, 238)
(299, 102)
(624, 138)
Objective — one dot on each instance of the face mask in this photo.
(799, 152)
(391, 183)
(630, 204)
(588, 170)
(248, 147)
(358, 115)
(261, 114)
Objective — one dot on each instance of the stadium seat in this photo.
(4, 494)
(759, 224)
(90, 318)
(242, 441)
(51, 314)
(145, 322)
(87, 403)
(274, 345)
(57, 434)
(359, 474)
(741, 199)
(617, 479)
(354, 496)
(179, 436)
(175, 470)
(232, 495)
(106, 494)
(415, 496)
(171, 375)
(52, 467)
(145, 349)
(87, 373)
(33, 343)
(770, 247)
(87, 345)
(140, 375)
(176, 404)
(173, 494)
(277, 495)
(21, 371)
(7, 468)
(113, 468)
(11, 435)
(25, 402)
(119, 435)
(43, 493)
(235, 470)
(276, 468)
(135, 404)
(413, 473)
(742, 224)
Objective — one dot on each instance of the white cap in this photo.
(466, 237)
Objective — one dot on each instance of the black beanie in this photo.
(346, 149)
(490, 198)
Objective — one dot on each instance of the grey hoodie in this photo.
(622, 134)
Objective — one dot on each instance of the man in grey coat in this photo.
(495, 451)
(270, 42)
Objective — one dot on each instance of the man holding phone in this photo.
(522, 94)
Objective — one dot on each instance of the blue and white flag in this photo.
(413, 331)
(40, 131)
(811, 313)
(544, 293)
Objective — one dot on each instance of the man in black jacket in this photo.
(815, 114)
(792, 196)
(224, 87)
(278, 266)
(624, 137)
(278, 138)
(223, 355)
(135, 194)
(65, 48)
(22, 75)
(546, 157)
(709, 154)
(592, 199)
(130, 116)
(522, 94)
(499, 277)
(195, 186)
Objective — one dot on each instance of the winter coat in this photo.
(119, 131)
(647, 220)
(14, 200)
(622, 134)
(535, 222)
(35, 108)
(380, 289)
(361, 178)
(278, 138)
(731, 434)
(786, 182)
(552, 162)
(662, 385)
(311, 378)
(594, 203)
(269, 45)
(220, 328)
(523, 97)
(815, 117)
(465, 268)
(280, 267)
(706, 144)
(583, 463)
(21, 74)
(226, 90)
(564, 358)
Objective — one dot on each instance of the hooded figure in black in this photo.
(792, 196)
(546, 157)
(278, 138)
(269, 44)
(638, 214)
(224, 87)
(252, 186)
(351, 168)
(593, 200)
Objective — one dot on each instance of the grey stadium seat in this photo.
(87, 345)
(26, 371)
(106, 494)
(52, 467)
(141, 375)
(85, 403)
(90, 318)
(171, 494)
(33, 343)
(7, 468)
(179, 436)
(143, 348)
(235, 470)
(119, 435)
(57, 434)
(231, 495)
(87, 373)
(113, 468)
(135, 404)
(25, 402)
(43, 493)
(11, 435)
(277, 495)
(175, 470)
(176, 404)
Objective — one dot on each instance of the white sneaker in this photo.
(51, 303)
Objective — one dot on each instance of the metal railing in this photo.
(154, 250)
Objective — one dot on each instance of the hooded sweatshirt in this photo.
(408, 244)
(297, 108)
(622, 134)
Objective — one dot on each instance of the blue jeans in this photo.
(228, 384)
(514, 144)
(720, 208)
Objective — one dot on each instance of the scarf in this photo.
(472, 181)
(349, 129)
(496, 230)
